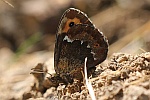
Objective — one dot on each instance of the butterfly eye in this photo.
(71, 24)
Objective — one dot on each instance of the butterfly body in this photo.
(76, 39)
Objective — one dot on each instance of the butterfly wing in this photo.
(75, 43)
(79, 42)
(93, 39)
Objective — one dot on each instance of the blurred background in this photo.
(32, 24)
(28, 28)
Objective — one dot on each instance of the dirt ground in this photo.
(27, 38)
(122, 77)
(126, 77)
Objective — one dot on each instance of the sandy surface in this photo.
(122, 77)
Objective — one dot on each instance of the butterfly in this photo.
(76, 39)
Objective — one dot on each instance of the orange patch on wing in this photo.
(75, 20)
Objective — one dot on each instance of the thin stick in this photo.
(39, 71)
(8, 3)
(88, 83)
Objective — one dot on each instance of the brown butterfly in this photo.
(76, 39)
